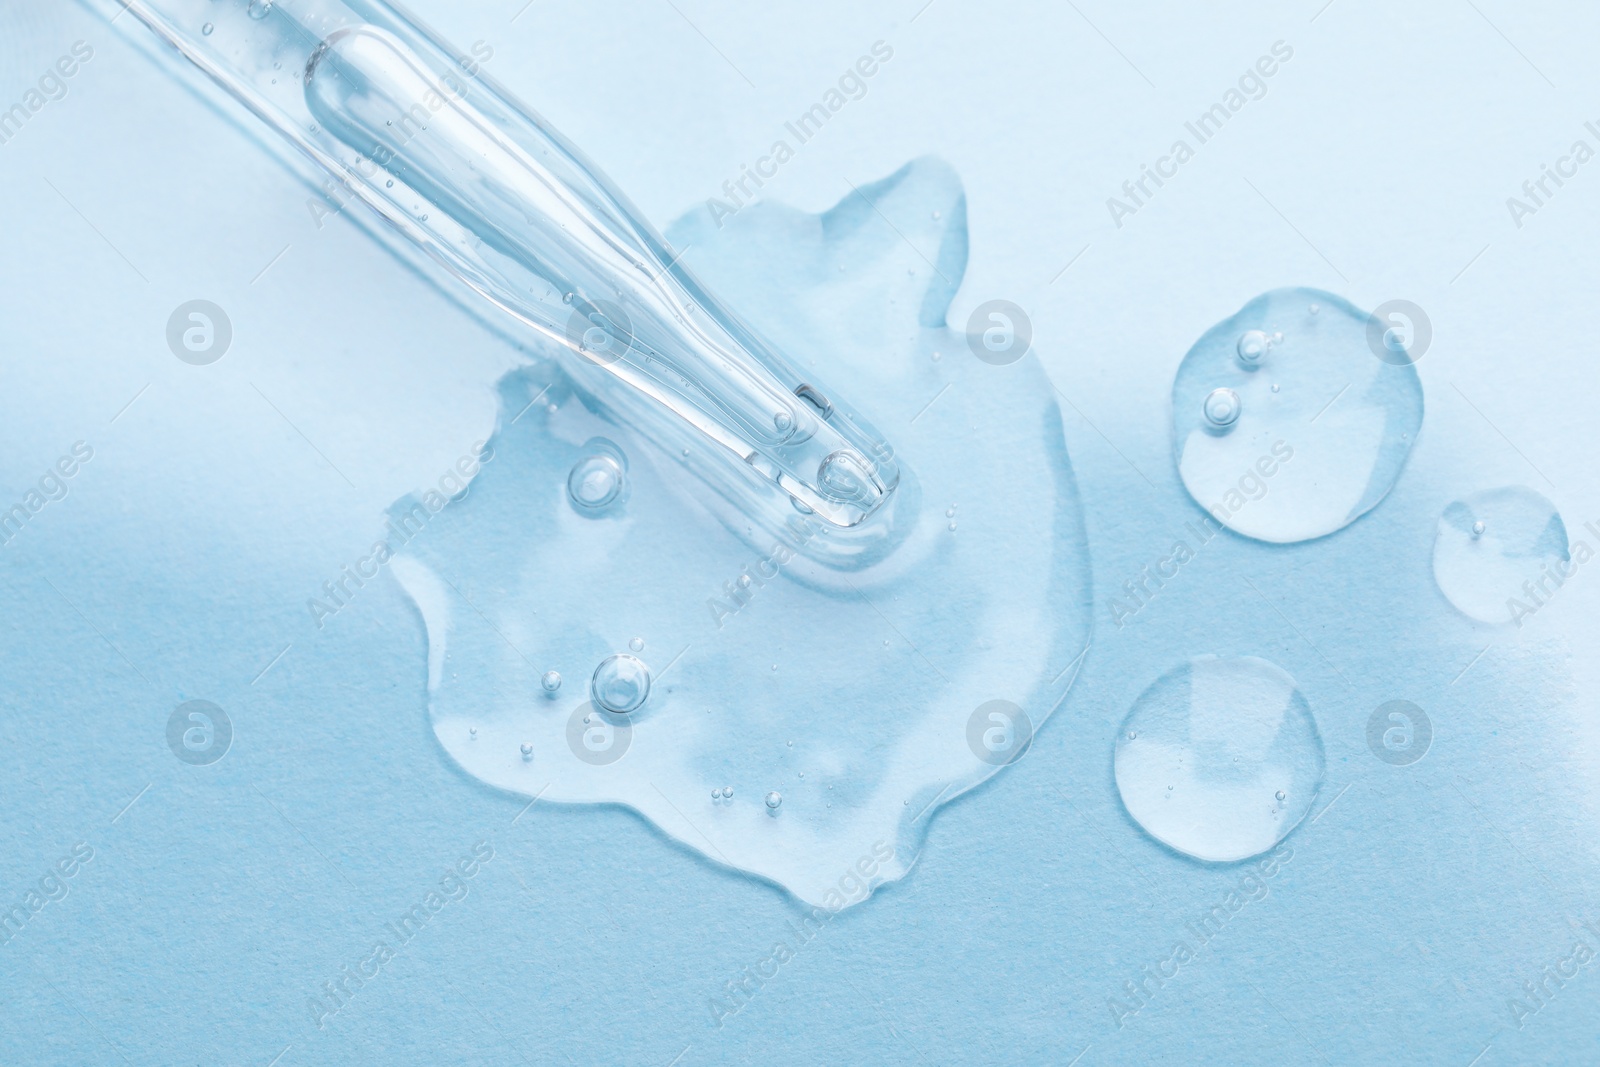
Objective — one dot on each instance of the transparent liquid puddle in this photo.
(1286, 427)
(1219, 758)
(870, 649)
(1501, 554)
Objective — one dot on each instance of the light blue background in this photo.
(179, 565)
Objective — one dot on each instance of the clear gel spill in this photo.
(1500, 555)
(726, 592)
(1315, 443)
(620, 684)
(1220, 758)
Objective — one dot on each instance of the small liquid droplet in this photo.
(1503, 578)
(1315, 308)
(774, 800)
(527, 751)
(472, 731)
(782, 421)
(952, 527)
(637, 644)
(1222, 407)
(389, 184)
(1274, 387)
(1215, 732)
(551, 680)
(207, 28)
(727, 792)
(949, 513)
(260, 9)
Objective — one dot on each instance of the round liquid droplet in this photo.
(636, 644)
(727, 792)
(620, 684)
(1499, 555)
(260, 9)
(1252, 347)
(527, 751)
(774, 800)
(1223, 734)
(472, 731)
(550, 680)
(783, 421)
(206, 29)
(1313, 457)
(595, 481)
(1222, 407)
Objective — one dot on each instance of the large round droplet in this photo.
(1316, 441)
(1219, 758)
(1222, 407)
(620, 684)
(1500, 555)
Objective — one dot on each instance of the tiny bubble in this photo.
(1477, 530)
(637, 644)
(472, 730)
(1274, 387)
(952, 527)
(949, 513)
(527, 751)
(389, 184)
(1132, 734)
(1315, 308)
(551, 680)
(207, 28)
(727, 792)
(1281, 795)
(774, 799)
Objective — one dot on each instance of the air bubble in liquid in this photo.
(620, 684)
(1252, 347)
(1314, 447)
(596, 480)
(774, 800)
(1222, 407)
(550, 681)
(1226, 736)
(1499, 555)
